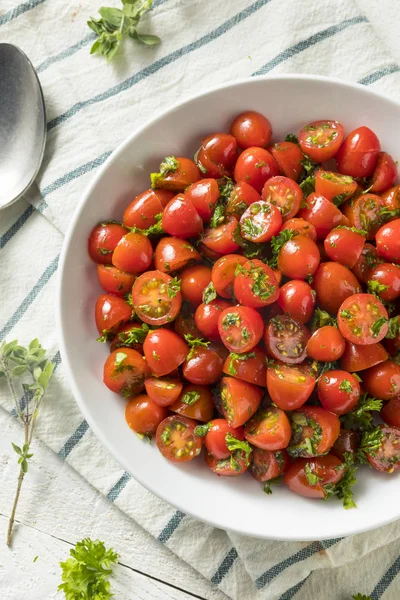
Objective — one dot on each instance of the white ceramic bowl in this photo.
(234, 504)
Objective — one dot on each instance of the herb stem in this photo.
(14, 508)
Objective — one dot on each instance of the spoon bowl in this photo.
(22, 124)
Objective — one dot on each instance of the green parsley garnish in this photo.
(194, 343)
(321, 319)
(240, 357)
(360, 417)
(377, 326)
(190, 398)
(238, 448)
(376, 288)
(394, 328)
(174, 287)
(209, 293)
(371, 442)
(169, 165)
(345, 386)
(273, 481)
(155, 229)
(291, 137)
(311, 477)
(202, 430)
(276, 244)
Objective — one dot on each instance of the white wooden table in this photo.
(58, 508)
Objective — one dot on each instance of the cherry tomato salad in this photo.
(251, 301)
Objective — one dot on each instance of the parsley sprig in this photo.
(361, 417)
(194, 343)
(276, 244)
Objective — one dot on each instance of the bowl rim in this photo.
(74, 387)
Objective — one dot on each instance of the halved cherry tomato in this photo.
(267, 465)
(251, 366)
(125, 371)
(290, 386)
(348, 441)
(289, 158)
(251, 129)
(301, 226)
(203, 366)
(176, 174)
(384, 280)
(255, 284)
(367, 259)
(226, 467)
(203, 195)
(255, 166)
(223, 274)
(387, 457)
(142, 211)
(383, 380)
(286, 339)
(242, 196)
(323, 214)
(391, 198)
(338, 391)
(207, 316)
(343, 245)
(321, 140)
(215, 438)
(326, 344)
(388, 241)
(110, 313)
(164, 351)
(239, 400)
(176, 439)
(390, 413)
(164, 391)
(308, 477)
(195, 402)
(358, 154)
(385, 173)
(260, 222)
(268, 429)
(362, 319)
(181, 219)
(299, 257)
(297, 299)
(103, 241)
(130, 335)
(285, 194)
(334, 283)
(220, 239)
(172, 254)
(143, 415)
(193, 282)
(314, 431)
(334, 186)
(364, 212)
(185, 323)
(217, 155)
(133, 253)
(358, 358)
(114, 281)
(240, 328)
(156, 298)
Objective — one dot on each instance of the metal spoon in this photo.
(22, 124)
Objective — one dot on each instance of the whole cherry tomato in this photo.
(299, 257)
(289, 158)
(382, 380)
(388, 241)
(251, 129)
(143, 415)
(333, 283)
(301, 226)
(133, 253)
(297, 299)
(290, 386)
(207, 316)
(358, 358)
(172, 254)
(255, 165)
(194, 280)
(204, 196)
(217, 155)
(103, 240)
(164, 351)
(385, 173)
(142, 211)
(338, 391)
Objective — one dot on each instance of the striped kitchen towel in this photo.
(92, 107)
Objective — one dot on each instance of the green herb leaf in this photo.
(377, 326)
(361, 597)
(371, 442)
(136, 335)
(345, 386)
(234, 445)
(360, 418)
(394, 328)
(308, 186)
(291, 137)
(174, 287)
(169, 165)
(209, 293)
(311, 477)
(376, 288)
(343, 488)
(190, 398)
(273, 481)
(321, 319)
(218, 216)
(240, 357)
(202, 430)
(194, 343)
(276, 244)
(155, 229)
(119, 358)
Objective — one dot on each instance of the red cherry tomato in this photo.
(242, 196)
(289, 158)
(114, 281)
(267, 465)
(226, 467)
(260, 222)
(384, 280)
(290, 386)
(387, 457)
(193, 282)
(390, 413)
(383, 380)
(314, 431)
(326, 344)
(239, 400)
(388, 241)
(367, 259)
(322, 214)
(364, 212)
(299, 257)
(110, 313)
(358, 358)
(203, 366)
(129, 335)
(156, 298)
(308, 477)
(385, 173)
(286, 340)
(251, 129)
(268, 429)
(176, 439)
(217, 155)
(172, 254)
(221, 239)
(143, 415)
(334, 186)
(164, 351)
(133, 253)
(255, 284)
(362, 319)
(333, 283)
(348, 441)
(223, 274)
(206, 318)
(176, 174)
(203, 195)
(240, 328)
(297, 299)
(321, 140)
(215, 439)
(301, 226)
(338, 391)
(344, 246)
(125, 371)
(164, 391)
(103, 241)
(181, 219)
(251, 366)
(358, 154)
(195, 402)
(255, 166)
(142, 211)
(285, 194)
(391, 198)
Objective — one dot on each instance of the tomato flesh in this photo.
(321, 140)
(308, 477)
(267, 464)
(268, 429)
(285, 194)
(176, 439)
(286, 339)
(156, 298)
(314, 431)
(255, 284)
(363, 319)
(239, 400)
(240, 328)
(290, 387)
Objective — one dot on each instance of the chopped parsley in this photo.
(250, 228)
(345, 386)
(155, 229)
(261, 287)
(376, 288)
(194, 343)
(233, 357)
(291, 137)
(343, 488)
(371, 442)
(311, 477)
(277, 242)
(308, 185)
(174, 287)
(360, 417)
(190, 398)
(239, 449)
(321, 319)
(273, 481)
(209, 293)
(394, 328)
(231, 319)
(202, 430)
(169, 165)
(377, 326)
(155, 355)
